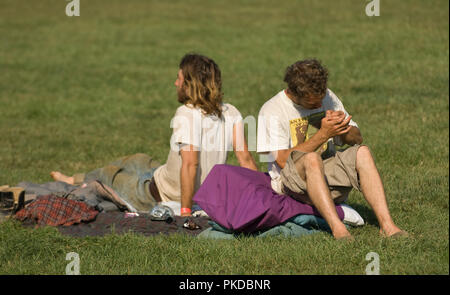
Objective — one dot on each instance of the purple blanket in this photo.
(242, 200)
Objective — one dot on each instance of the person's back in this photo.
(210, 135)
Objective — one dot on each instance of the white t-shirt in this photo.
(211, 136)
(282, 124)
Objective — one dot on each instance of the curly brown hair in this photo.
(202, 83)
(306, 77)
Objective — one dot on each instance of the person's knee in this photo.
(364, 158)
(312, 161)
(363, 153)
(363, 149)
(308, 162)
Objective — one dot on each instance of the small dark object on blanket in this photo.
(189, 223)
(162, 213)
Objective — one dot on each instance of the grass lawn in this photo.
(79, 92)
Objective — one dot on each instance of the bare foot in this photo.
(393, 232)
(342, 234)
(58, 176)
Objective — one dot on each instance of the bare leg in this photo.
(58, 176)
(373, 191)
(310, 169)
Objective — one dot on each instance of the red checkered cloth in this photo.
(54, 211)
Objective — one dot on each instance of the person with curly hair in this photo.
(314, 149)
(204, 130)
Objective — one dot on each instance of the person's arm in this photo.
(308, 146)
(240, 148)
(331, 125)
(188, 173)
(352, 137)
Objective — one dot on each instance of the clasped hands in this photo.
(334, 123)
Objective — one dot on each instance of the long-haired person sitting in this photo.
(204, 130)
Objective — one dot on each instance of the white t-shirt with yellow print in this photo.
(282, 124)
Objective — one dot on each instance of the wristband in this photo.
(186, 210)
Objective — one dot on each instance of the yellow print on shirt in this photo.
(303, 129)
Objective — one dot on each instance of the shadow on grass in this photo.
(366, 213)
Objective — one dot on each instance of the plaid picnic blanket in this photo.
(52, 210)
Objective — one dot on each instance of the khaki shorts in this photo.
(340, 174)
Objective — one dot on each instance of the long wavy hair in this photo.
(202, 85)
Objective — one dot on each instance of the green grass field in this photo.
(79, 92)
